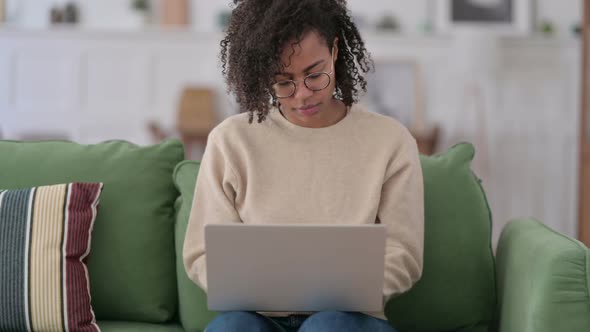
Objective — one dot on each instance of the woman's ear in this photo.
(335, 46)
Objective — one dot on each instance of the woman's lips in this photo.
(308, 111)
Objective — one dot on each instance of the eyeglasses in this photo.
(314, 82)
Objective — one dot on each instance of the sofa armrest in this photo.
(543, 280)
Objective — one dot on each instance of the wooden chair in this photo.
(195, 119)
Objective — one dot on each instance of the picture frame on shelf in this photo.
(396, 89)
(505, 17)
(392, 89)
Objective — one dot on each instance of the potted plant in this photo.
(142, 9)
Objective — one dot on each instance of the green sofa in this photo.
(539, 280)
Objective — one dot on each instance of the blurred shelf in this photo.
(189, 33)
(433, 39)
(77, 32)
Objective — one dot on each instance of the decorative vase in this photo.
(174, 12)
(2, 11)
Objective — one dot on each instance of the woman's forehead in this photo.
(300, 54)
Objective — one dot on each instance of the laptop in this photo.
(295, 268)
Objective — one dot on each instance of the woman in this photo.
(313, 155)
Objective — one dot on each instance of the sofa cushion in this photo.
(193, 311)
(110, 326)
(457, 289)
(44, 242)
(132, 269)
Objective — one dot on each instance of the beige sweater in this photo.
(362, 170)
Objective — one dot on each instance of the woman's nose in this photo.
(302, 91)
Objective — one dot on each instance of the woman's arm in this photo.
(215, 193)
(401, 210)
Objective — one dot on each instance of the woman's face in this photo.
(312, 105)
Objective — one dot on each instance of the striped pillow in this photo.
(44, 245)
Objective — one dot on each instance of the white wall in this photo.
(204, 13)
(412, 14)
(563, 12)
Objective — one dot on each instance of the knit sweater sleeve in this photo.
(401, 210)
(214, 202)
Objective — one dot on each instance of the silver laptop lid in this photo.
(295, 267)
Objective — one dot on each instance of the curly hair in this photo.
(259, 29)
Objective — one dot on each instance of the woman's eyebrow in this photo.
(307, 69)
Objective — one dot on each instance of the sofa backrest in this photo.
(192, 311)
(457, 289)
(131, 263)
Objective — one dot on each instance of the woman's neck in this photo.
(331, 115)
